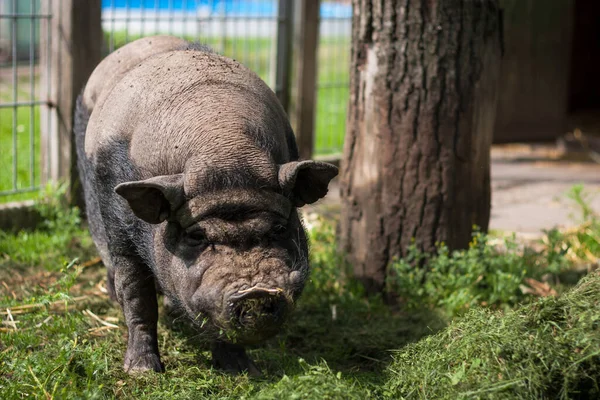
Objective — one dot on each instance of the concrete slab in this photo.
(529, 187)
(529, 192)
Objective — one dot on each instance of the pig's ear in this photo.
(306, 181)
(154, 199)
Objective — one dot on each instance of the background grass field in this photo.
(25, 122)
(332, 97)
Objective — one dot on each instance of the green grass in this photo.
(332, 98)
(332, 95)
(339, 344)
(57, 349)
(484, 274)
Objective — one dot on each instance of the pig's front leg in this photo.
(233, 359)
(136, 293)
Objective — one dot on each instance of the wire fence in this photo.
(20, 100)
(246, 30)
(241, 29)
(333, 79)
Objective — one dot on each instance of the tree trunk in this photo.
(422, 107)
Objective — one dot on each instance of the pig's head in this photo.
(237, 257)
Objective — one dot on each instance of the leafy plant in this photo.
(456, 281)
(57, 215)
(584, 241)
(330, 275)
(492, 274)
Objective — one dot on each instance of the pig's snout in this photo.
(258, 312)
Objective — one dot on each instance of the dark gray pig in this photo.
(191, 178)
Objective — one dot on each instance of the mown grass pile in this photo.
(61, 337)
(547, 349)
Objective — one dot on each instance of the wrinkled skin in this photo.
(192, 182)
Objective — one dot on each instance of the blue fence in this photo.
(247, 8)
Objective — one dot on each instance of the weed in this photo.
(483, 274)
(584, 241)
(55, 212)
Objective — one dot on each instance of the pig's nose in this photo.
(258, 309)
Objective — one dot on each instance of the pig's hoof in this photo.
(142, 363)
(233, 359)
(171, 309)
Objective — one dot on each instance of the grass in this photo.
(60, 350)
(255, 53)
(548, 349)
(65, 339)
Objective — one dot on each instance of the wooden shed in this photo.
(550, 68)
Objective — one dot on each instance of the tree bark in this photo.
(422, 107)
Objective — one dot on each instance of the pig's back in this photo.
(118, 63)
(183, 104)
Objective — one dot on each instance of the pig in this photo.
(192, 183)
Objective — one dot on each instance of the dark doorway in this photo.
(584, 88)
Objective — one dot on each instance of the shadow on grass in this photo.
(353, 336)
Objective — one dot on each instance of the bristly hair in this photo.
(233, 177)
(197, 46)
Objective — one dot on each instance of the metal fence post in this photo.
(71, 43)
(303, 110)
(283, 52)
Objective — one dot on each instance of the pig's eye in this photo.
(195, 238)
(279, 232)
